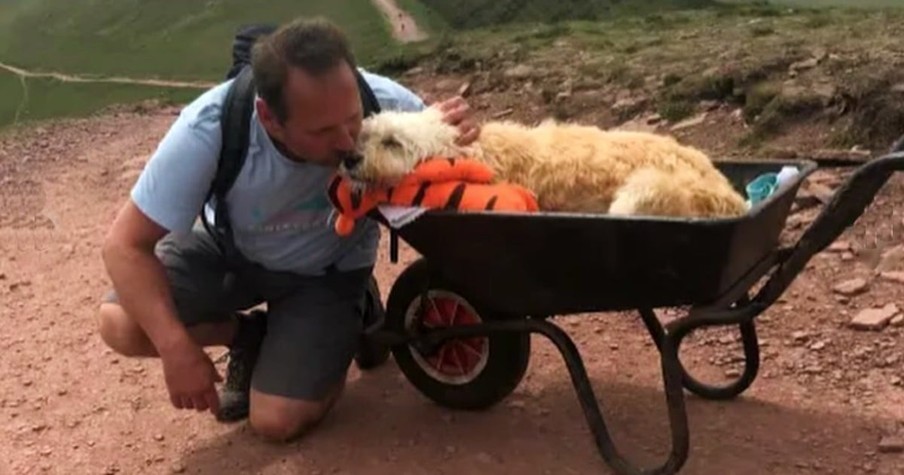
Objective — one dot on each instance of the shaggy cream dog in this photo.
(571, 168)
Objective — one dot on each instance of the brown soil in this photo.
(827, 394)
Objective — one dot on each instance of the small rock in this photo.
(516, 404)
(894, 276)
(613, 346)
(805, 64)
(897, 321)
(800, 336)
(813, 369)
(891, 444)
(874, 318)
(726, 340)
(688, 123)
(821, 192)
(732, 373)
(851, 287)
(158, 437)
(709, 105)
(520, 71)
(818, 345)
(178, 468)
(891, 259)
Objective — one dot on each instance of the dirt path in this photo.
(23, 73)
(404, 28)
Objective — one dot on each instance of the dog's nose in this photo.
(351, 160)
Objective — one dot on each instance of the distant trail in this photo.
(23, 73)
(404, 28)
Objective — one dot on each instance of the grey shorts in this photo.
(313, 322)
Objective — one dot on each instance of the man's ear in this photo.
(268, 119)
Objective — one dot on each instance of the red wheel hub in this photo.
(459, 357)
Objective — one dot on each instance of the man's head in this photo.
(309, 95)
(392, 143)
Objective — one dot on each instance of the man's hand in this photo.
(457, 112)
(190, 377)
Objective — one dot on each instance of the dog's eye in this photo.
(391, 142)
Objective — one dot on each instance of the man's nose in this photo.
(344, 139)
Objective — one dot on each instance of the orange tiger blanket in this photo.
(451, 184)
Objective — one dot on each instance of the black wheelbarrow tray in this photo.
(459, 319)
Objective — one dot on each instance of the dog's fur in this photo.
(572, 168)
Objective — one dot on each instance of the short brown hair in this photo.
(313, 44)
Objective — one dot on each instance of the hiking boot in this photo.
(370, 353)
(235, 396)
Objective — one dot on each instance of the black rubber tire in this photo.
(509, 353)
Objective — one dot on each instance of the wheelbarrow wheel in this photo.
(468, 373)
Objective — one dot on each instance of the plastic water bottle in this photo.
(761, 187)
(786, 174)
(766, 184)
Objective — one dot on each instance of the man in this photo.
(174, 291)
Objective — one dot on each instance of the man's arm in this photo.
(167, 197)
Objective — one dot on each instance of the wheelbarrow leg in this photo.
(671, 372)
(751, 355)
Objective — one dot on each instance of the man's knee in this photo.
(121, 333)
(280, 419)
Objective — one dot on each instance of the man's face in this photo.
(324, 115)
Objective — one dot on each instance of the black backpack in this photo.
(235, 123)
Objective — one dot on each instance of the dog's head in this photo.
(391, 143)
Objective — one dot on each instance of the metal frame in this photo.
(735, 308)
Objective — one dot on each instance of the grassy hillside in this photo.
(462, 14)
(826, 3)
(188, 39)
(11, 94)
(50, 98)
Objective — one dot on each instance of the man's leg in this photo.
(207, 299)
(312, 336)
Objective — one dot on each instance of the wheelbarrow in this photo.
(458, 320)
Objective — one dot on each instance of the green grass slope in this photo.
(827, 3)
(464, 14)
(187, 39)
(49, 98)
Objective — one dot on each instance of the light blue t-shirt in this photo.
(279, 211)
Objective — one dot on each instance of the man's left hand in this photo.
(457, 112)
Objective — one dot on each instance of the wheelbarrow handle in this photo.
(846, 206)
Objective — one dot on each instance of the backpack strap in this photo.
(235, 125)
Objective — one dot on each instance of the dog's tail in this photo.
(653, 192)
